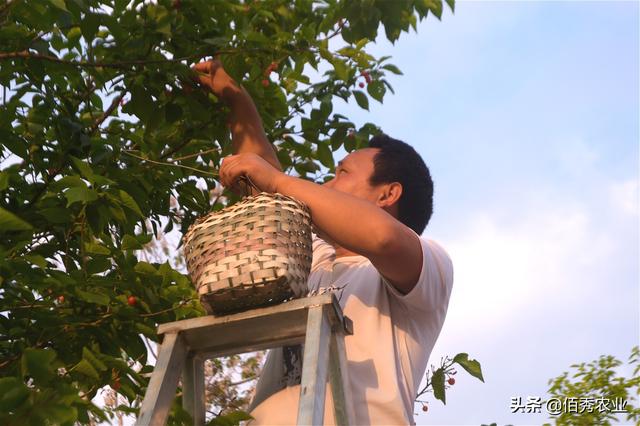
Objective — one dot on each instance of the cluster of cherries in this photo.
(271, 68)
(367, 78)
(451, 381)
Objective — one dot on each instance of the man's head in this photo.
(390, 174)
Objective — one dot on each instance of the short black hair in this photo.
(397, 161)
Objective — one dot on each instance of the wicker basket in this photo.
(254, 253)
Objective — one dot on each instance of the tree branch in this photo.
(25, 54)
(6, 6)
(336, 32)
(107, 113)
(248, 379)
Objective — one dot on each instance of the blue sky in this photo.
(528, 115)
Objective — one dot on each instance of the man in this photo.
(394, 285)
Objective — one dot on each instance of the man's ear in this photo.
(389, 195)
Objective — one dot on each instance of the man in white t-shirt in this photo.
(393, 284)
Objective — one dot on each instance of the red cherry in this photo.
(131, 300)
(116, 385)
(366, 76)
(61, 299)
(451, 381)
(265, 83)
(425, 408)
(361, 85)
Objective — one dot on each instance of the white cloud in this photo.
(624, 196)
(500, 269)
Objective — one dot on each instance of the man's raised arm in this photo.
(244, 121)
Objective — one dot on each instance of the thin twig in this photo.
(243, 381)
(164, 311)
(336, 32)
(175, 148)
(181, 145)
(92, 323)
(162, 163)
(196, 154)
(107, 113)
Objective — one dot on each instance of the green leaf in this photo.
(130, 243)
(80, 194)
(452, 5)
(435, 6)
(145, 329)
(392, 68)
(13, 392)
(74, 35)
(141, 104)
(437, 382)
(96, 248)
(57, 215)
(98, 264)
(471, 365)
(85, 367)
(83, 168)
(117, 213)
(11, 222)
(144, 238)
(231, 419)
(324, 155)
(145, 268)
(377, 90)
(37, 260)
(38, 364)
(325, 54)
(130, 203)
(4, 180)
(59, 4)
(342, 70)
(69, 182)
(93, 360)
(361, 99)
(91, 297)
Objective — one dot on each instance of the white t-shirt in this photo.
(393, 335)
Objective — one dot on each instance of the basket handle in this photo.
(247, 185)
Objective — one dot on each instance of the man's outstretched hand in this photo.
(212, 75)
(261, 172)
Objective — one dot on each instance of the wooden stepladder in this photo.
(316, 321)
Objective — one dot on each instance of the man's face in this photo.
(353, 173)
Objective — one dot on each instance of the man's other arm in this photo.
(247, 132)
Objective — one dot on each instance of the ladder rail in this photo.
(314, 368)
(164, 380)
